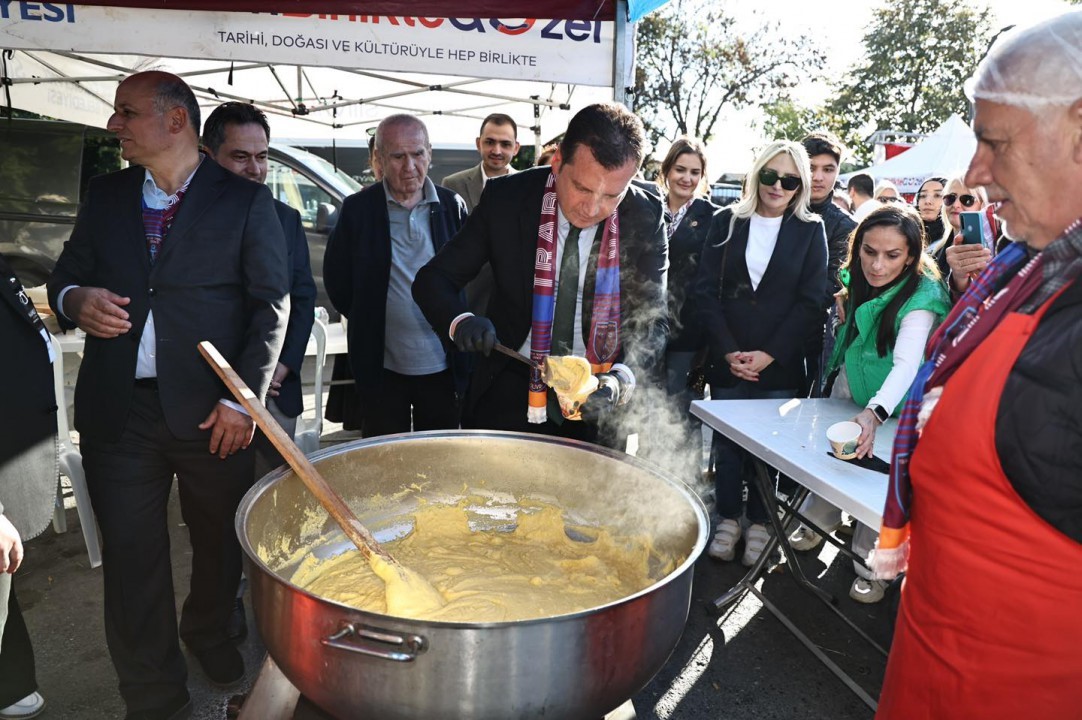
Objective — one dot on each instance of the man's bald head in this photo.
(156, 120)
(170, 91)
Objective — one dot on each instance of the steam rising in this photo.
(667, 436)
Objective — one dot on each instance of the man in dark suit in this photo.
(237, 136)
(498, 145)
(28, 476)
(163, 255)
(521, 227)
(406, 376)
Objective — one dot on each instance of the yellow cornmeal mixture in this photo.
(489, 575)
(573, 380)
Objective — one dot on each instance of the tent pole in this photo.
(621, 61)
(536, 130)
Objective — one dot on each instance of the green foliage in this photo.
(917, 55)
(694, 63)
(785, 120)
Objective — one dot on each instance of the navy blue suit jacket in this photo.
(302, 304)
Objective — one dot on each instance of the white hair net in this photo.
(1034, 67)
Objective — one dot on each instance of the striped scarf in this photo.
(672, 221)
(603, 342)
(973, 318)
(158, 221)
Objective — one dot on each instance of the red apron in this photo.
(990, 624)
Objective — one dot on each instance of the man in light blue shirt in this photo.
(408, 378)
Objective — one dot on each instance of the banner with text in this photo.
(566, 51)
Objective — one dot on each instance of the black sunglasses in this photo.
(966, 200)
(769, 177)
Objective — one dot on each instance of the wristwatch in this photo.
(880, 412)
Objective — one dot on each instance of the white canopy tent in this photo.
(320, 76)
(945, 153)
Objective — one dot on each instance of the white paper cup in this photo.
(843, 439)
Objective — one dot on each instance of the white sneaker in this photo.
(29, 707)
(867, 591)
(754, 544)
(804, 539)
(724, 545)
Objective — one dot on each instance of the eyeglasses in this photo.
(889, 198)
(966, 200)
(769, 177)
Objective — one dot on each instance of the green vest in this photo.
(864, 368)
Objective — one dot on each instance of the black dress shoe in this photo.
(223, 665)
(236, 628)
(179, 708)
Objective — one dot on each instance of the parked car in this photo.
(44, 170)
(724, 193)
(313, 187)
(45, 167)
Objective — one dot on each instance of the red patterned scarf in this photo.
(603, 342)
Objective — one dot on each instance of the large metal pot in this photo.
(358, 664)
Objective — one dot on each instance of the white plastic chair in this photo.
(309, 429)
(71, 466)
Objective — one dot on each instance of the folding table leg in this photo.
(756, 570)
(770, 500)
(747, 583)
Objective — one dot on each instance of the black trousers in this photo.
(17, 678)
(129, 482)
(401, 403)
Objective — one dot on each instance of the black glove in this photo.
(475, 334)
(602, 400)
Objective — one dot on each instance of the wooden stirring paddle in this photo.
(408, 594)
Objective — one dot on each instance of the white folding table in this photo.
(790, 436)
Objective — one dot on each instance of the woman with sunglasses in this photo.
(957, 199)
(929, 203)
(760, 288)
(964, 261)
(893, 299)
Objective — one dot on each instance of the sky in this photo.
(839, 26)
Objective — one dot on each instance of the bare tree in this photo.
(694, 62)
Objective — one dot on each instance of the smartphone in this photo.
(976, 230)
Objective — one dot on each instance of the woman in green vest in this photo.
(891, 301)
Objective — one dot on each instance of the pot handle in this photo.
(377, 643)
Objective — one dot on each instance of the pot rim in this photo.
(266, 483)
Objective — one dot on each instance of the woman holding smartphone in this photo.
(957, 199)
(891, 301)
(760, 288)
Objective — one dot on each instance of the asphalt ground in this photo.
(743, 663)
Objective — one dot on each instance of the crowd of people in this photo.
(796, 290)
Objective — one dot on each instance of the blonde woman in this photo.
(957, 199)
(887, 192)
(760, 287)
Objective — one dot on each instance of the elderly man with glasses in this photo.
(984, 510)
